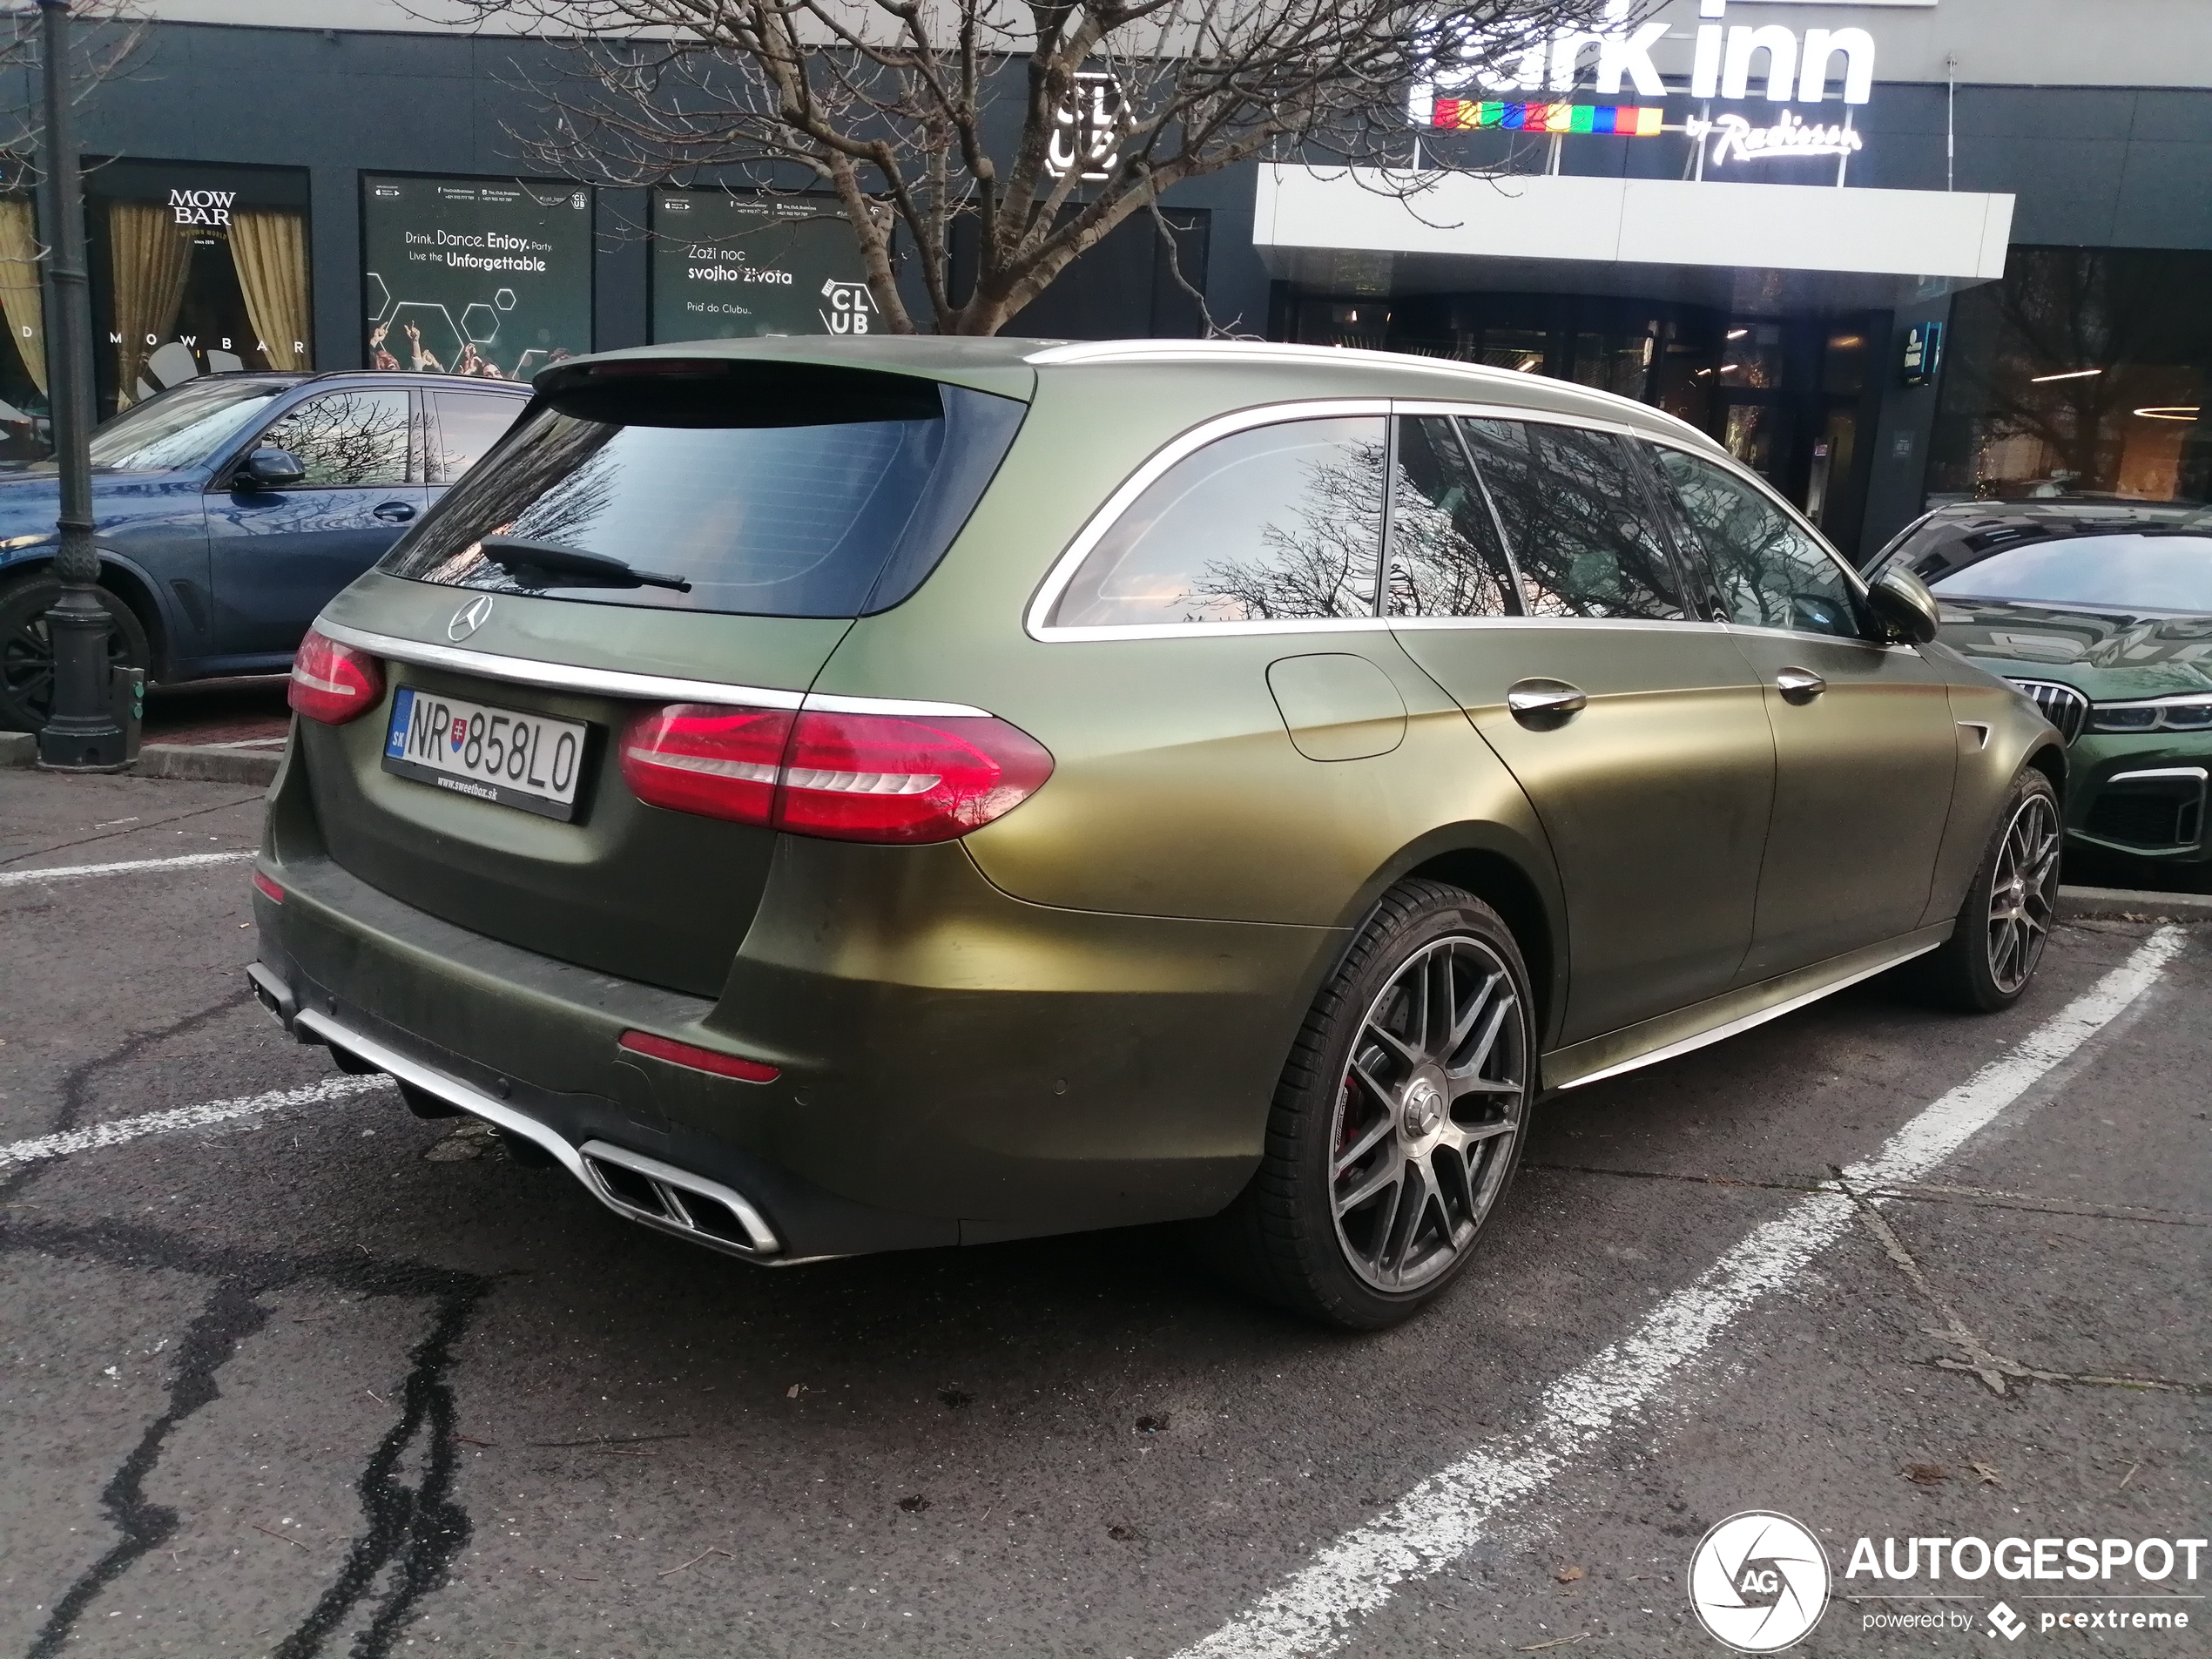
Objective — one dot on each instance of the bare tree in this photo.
(1037, 126)
(1319, 564)
(105, 35)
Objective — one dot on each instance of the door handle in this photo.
(396, 512)
(1543, 702)
(1799, 684)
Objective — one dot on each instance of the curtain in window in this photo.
(20, 299)
(151, 253)
(271, 252)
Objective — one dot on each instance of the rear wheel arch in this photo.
(1501, 882)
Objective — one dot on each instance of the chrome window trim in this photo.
(1811, 637)
(610, 682)
(1622, 624)
(1509, 412)
(1210, 630)
(1188, 443)
(1149, 472)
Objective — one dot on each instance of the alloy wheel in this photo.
(27, 662)
(2023, 892)
(1432, 1098)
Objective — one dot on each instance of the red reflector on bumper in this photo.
(267, 889)
(685, 1053)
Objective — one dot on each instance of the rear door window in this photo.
(832, 496)
(1771, 573)
(1576, 521)
(469, 424)
(1446, 558)
(1279, 523)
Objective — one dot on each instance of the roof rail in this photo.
(1200, 351)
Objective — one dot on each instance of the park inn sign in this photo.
(1789, 68)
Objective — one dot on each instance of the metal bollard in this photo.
(127, 706)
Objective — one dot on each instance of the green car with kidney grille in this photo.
(844, 796)
(2100, 612)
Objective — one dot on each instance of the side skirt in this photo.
(1723, 1016)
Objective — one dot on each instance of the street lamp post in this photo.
(81, 733)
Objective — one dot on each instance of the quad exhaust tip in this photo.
(660, 1195)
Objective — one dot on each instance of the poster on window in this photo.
(195, 269)
(728, 264)
(486, 277)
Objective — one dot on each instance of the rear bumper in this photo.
(640, 1189)
(955, 1066)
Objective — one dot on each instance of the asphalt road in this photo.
(314, 1377)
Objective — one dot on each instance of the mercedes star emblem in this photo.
(469, 617)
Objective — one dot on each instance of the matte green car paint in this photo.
(1075, 1016)
(1653, 800)
(1863, 781)
(657, 896)
(1336, 706)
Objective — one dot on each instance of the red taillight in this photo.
(704, 757)
(334, 683)
(890, 778)
(685, 1054)
(846, 777)
(267, 889)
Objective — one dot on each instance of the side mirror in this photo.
(270, 469)
(1904, 606)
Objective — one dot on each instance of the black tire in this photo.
(1442, 1094)
(2006, 919)
(27, 655)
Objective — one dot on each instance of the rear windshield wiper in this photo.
(518, 553)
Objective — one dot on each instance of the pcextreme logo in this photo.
(1758, 1581)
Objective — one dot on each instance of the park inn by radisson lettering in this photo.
(1729, 60)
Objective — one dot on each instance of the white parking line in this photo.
(1443, 1517)
(214, 1111)
(71, 872)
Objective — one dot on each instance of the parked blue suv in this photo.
(229, 509)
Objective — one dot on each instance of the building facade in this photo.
(1890, 253)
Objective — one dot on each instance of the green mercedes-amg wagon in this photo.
(843, 796)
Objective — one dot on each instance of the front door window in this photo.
(341, 439)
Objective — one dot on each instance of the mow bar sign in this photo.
(202, 206)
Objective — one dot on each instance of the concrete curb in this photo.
(2123, 904)
(186, 760)
(181, 760)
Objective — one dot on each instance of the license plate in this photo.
(525, 761)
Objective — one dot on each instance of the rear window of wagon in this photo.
(772, 489)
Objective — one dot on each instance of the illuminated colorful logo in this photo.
(1622, 120)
